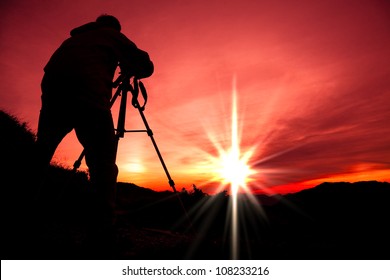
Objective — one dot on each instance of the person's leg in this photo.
(53, 126)
(95, 131)
(55, 120)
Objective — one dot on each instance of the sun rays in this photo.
(233, 171)
(233, 165)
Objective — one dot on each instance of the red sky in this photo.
(312, 80)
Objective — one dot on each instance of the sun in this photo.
(234, 168)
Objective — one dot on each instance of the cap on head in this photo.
(109, 21)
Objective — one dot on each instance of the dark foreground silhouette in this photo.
(330, 221)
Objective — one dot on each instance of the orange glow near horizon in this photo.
(360, 172)
(380, 175)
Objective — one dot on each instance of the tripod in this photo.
(122, 83)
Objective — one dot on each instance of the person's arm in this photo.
(134, 61)
(142, 66)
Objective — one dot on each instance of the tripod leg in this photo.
(170, 181)
(120, 130)
(150, 134)
(77, 163)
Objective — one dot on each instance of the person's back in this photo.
(82, 68)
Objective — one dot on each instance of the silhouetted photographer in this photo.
(76, 94)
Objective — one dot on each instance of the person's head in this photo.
(109, 21)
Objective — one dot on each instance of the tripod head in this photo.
(123, 83)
